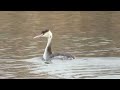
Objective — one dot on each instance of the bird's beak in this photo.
(38, 36)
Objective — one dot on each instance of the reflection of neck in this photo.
(48, 51)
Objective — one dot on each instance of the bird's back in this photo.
(62, 56)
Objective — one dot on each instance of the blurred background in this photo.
(81, 33)
(84, 34)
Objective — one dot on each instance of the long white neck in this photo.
(48, 50)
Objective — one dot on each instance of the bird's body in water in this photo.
(48, 55)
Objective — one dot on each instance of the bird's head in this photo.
(45, 33)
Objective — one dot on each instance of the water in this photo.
(93, 37)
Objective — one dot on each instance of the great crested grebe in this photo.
(48, 55)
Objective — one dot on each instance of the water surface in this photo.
(93, 37)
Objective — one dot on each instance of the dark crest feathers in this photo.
(43, 32)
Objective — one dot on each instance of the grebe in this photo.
(48, 55)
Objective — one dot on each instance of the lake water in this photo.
(91, 36)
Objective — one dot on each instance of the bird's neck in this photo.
(48, 50)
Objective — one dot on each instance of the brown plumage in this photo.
(43, 32)
(48, 55)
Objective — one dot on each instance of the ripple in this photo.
(79, 68)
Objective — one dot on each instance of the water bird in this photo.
(48, 55)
